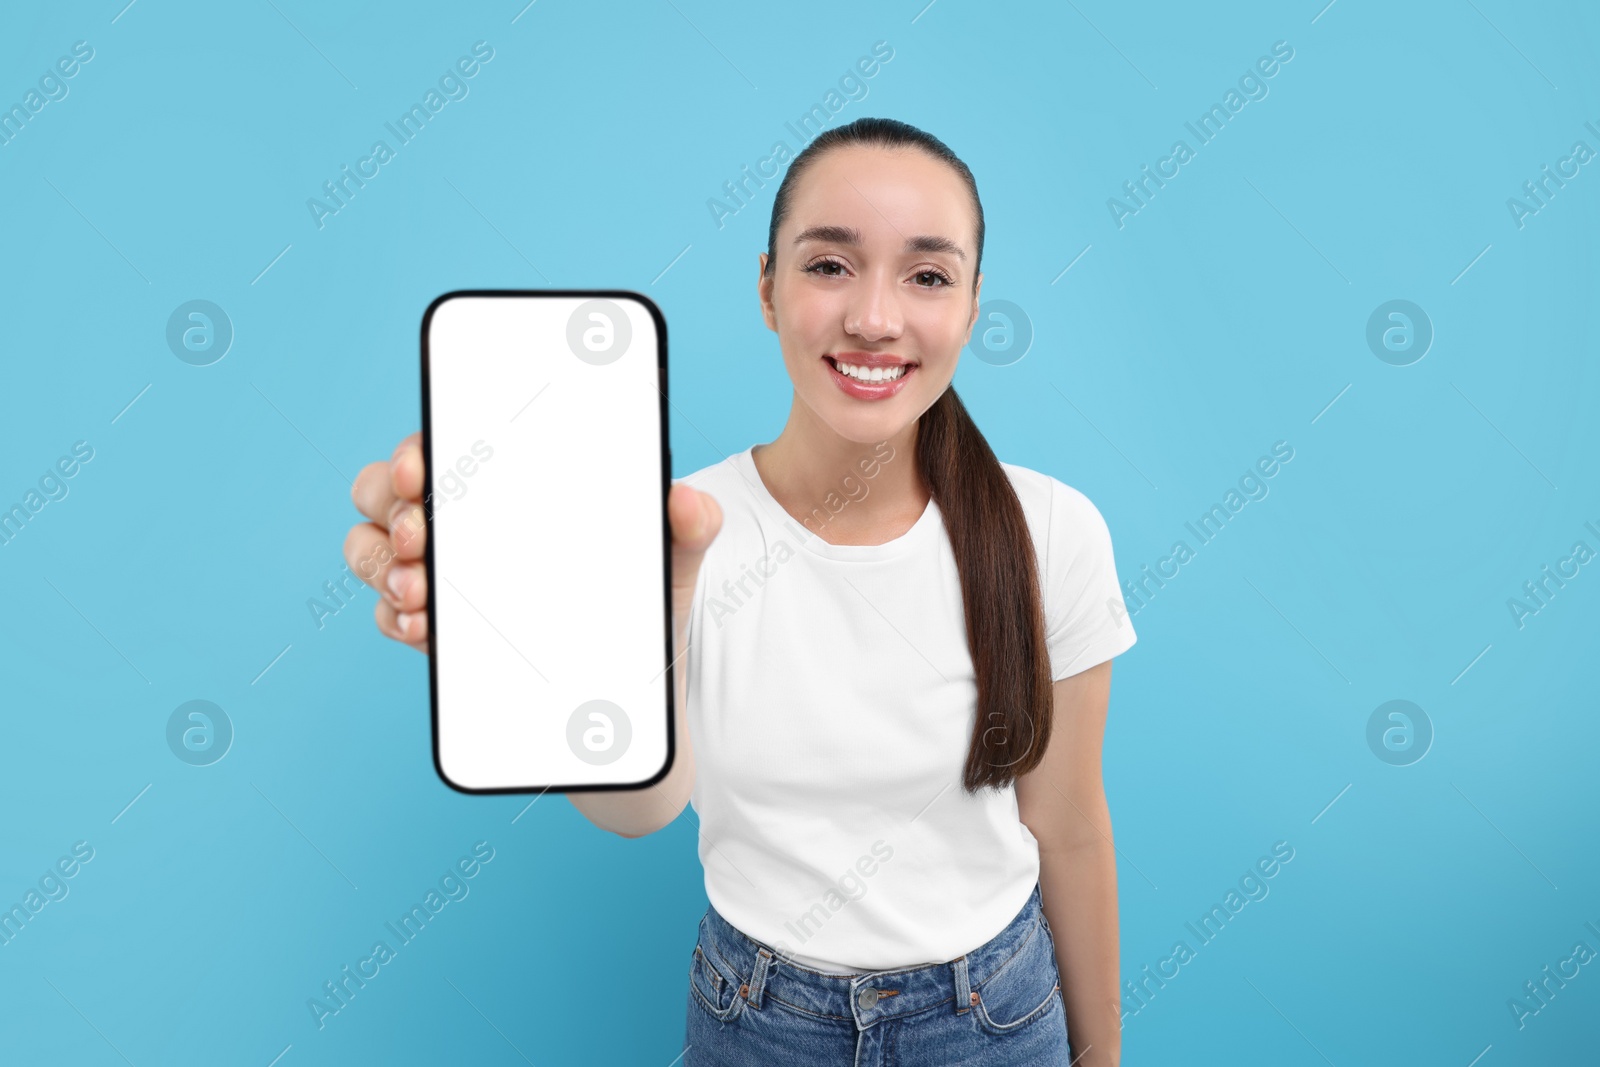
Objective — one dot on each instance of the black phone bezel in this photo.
(666, 535)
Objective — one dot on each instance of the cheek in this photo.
(802, 342)
(807, 327)
(938, 339)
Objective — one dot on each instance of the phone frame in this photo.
(666, 535)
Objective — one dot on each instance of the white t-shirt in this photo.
(831, 701)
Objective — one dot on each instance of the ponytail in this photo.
(999, 590)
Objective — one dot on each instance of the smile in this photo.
(870, 374)
(864, 382)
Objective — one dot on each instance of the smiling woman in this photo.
(902, 676)
(928, 669)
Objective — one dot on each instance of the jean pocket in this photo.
(714, 984)
(1025, 989)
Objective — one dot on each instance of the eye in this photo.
(939, 277)
(816, 268)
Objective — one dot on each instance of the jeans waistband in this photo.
(871, 996)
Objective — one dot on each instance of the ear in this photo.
(977, 292)
(764, 286)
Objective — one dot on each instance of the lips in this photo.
(869, 390)
(870, 359)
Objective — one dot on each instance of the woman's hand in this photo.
(386, 553)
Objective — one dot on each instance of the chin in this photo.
(865, 427)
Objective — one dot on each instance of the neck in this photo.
(847, 492)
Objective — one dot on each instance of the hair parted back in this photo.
(983, 518)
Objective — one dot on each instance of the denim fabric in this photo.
(999, 1005)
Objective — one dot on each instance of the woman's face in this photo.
(874, 278)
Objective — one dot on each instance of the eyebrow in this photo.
(849, 235)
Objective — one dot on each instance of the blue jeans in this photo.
(999, 1005)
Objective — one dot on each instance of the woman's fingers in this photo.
(371, 556)
(405, 469)
(408, 530)
(407, 584)
(409, 628)
(373, 491)
(384, 552)
(382, 484)
(368, 552)
(403, 615)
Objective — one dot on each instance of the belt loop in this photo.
(963, 991)
(758, 980)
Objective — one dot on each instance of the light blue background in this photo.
(1226, 315)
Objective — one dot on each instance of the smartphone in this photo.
(544, 428)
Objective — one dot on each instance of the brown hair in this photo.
(982, 517)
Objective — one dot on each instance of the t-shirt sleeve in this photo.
(1086, 621)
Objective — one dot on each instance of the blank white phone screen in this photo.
(548, 586)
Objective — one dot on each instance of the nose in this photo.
(875, 311)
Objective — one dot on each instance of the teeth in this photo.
(870, 374)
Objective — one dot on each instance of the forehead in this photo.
(884, 192)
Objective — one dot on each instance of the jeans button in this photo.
(867, 998)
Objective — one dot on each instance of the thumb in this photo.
(696, 519)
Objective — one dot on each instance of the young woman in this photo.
(896, 654)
